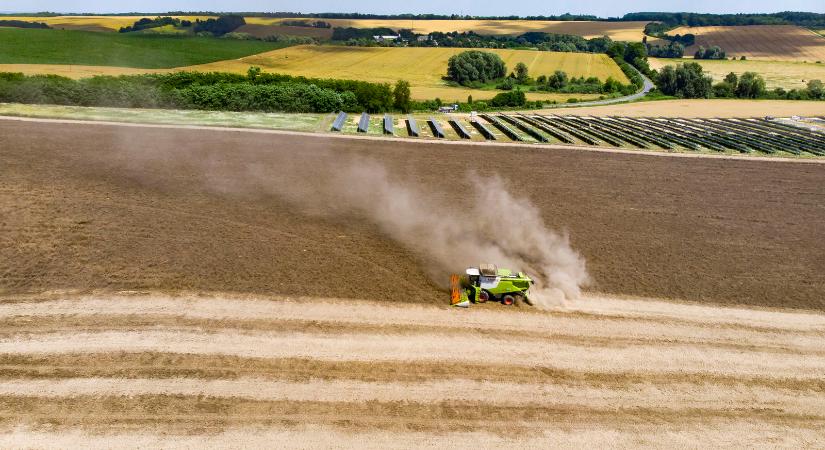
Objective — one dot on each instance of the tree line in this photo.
(673, 20)
(23, 24)
(219, 26)
(255, 91)
(689, 80)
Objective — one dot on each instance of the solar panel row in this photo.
(459, 129)
(364, 123)
(338, 123)
(436, 128)
(412, 127)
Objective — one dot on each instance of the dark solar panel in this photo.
(364, 123)
(412, 127)
(338, 123)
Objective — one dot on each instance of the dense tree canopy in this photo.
(475, 66)
(685, 80)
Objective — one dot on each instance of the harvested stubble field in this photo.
(765, 42)
(89, 209)
(105, 371)
(784, 74)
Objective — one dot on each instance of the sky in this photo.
(602, 8)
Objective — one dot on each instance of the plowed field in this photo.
(767, 42)
(94, 206)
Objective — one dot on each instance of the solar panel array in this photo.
(766, 136)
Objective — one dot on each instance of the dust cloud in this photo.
(491, 225)
(486, 224)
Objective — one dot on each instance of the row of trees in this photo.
(147, 23)
(671, 50)
(217, 27)
(690, 81)
(255, 91)
(220, 26)
(714, 52)
(672, 20)
(22, 24)
(306, 24)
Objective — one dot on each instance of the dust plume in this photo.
(447, 233)
(488, 224)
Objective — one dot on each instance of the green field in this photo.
(33, 46)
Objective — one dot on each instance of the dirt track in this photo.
(106, 207)
(239, 371)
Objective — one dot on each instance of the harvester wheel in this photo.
(483, 296)
(508, 300)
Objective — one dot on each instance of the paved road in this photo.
(648, 86)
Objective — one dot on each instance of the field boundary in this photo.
(640, 152)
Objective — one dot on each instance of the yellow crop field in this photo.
(422, 67)
(92, 23)
(784, 74)
(620, 31)
(763, 42)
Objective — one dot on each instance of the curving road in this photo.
(648, 86)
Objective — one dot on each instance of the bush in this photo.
(710, 53)
(507, 84)
(146, 23)
(220, 26)
(475, 66)
(750, 85)
(509, 99)
(685, 80)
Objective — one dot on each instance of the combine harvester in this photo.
(488, 283)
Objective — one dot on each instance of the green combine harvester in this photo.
(488, 283)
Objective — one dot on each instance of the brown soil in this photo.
(109, 207)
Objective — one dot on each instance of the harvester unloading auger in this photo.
(488, 283)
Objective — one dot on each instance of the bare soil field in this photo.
(96, 206)
(147, 371)
(766, 42)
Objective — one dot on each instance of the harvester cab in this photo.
(489, 283)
